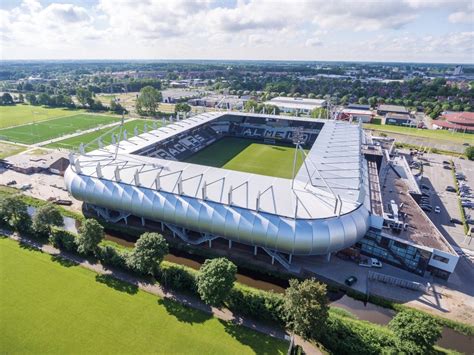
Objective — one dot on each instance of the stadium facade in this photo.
(324, 209)
(332, 203)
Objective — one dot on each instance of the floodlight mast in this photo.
(298, 139)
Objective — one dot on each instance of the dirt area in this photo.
(43, 186)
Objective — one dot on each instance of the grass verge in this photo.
(48, 305)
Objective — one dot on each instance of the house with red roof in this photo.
(458, 121)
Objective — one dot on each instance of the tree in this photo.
(44, 99)
(306, 306)
(91, 234)
(84, 96)
(14, 212)
(21, 98)
(116, 107)
(45, 218)
(320, 112)
(148, 253)
(31, 98)
(216, 279)
(182, 107)
(148, 101)
(6, 99)
(470, 152)
(417, 332)
(251, 106)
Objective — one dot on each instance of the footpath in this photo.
(156, 289)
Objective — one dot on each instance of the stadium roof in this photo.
(296, 103)
(334, 166)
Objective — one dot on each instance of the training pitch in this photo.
(250, 156)
(90, 139)
(46, 130)
(51, 306)
(21, 114)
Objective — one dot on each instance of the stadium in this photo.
(288, 185)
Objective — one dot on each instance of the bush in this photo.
(470, 153)
(63, 240)
(178, 278)
(261, 305)
(108, 255)
(343, 335)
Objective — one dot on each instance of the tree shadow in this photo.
(184, 313)
(63, 261)
(27, 246)
(260, 343)
(117, 284)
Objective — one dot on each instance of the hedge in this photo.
(344, 335)
(261, 305)
(177, 277)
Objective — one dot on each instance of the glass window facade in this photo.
(394, 252)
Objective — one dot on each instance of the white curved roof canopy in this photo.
(262, 210)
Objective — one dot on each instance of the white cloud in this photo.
(252, 29)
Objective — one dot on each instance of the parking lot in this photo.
(438, 178)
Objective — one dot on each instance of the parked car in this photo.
(371, 262)
(425, 187)
(25, 187)
(446, 162)
(11, 182)
(426, 208)
(350, 280)
(447, 167)
(437, 209)
(455, 221)
(450, 189)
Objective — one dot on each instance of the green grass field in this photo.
(42, 131)
(248, 156)
(442, 135)
(20, 114)
(50, 306)
(74, 142)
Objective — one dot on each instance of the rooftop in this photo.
(296, 102)
(421, 231)
(392, 108)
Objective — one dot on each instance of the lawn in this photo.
(50, 306)
(442, 135)
(74, 142)
(21, 114)
(248, 156)
(7, 149)
(42, 131)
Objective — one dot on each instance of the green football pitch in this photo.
(91, 137)
(21, 114)
(50, 306)
(249, 156)
(43, 131)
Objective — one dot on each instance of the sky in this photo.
(438, 31)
